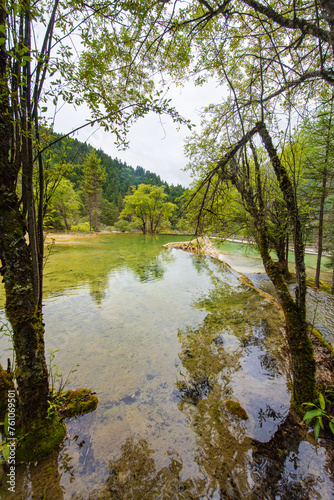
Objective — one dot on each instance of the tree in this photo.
(109, 213)
(94, 177)
(330, 247)
(22, 264)
(65, 202)
(317, 158)
(271, 58)
(248, 177)
(26, 61)
(148, 205)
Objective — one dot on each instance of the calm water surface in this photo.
(165, 338)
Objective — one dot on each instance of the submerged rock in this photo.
(198, 388)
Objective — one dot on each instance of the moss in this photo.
(41, 440)
(236, 409)
(6, 384)
(322, 341)
(322, 286)
(78, 402)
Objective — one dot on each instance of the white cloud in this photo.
(156, 144)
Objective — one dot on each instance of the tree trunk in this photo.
(303, 364)
(95, 208)
(292, 208)
(301, 349)
(6, 384)
(320, 230)
(21, 308)
(323, 196)
(17, 271)
(300, 346)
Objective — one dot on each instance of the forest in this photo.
(68, 185)
(261, 161)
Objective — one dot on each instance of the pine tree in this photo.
(94, 177)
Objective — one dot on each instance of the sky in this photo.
(156, 144)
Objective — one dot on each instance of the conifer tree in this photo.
(94, 177)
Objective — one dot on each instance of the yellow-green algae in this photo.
(322, 341)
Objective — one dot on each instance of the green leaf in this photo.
(6, 424)
(309, 415)
(6, 451)
(331, 425)
(316, 430)
(322, 401)
(320, 422)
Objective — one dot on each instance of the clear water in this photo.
(165, 338)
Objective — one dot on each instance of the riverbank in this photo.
(52, 238)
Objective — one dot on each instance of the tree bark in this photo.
(292, 208)
(17, 271)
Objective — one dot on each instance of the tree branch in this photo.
(295, 23)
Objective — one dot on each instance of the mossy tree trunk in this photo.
(22, 300)
(303, 364)
(6, 384)
(301, 351)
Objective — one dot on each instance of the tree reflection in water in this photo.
(232, 355)
(232, 346)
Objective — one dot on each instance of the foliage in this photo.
(321, 411)
(6, 330)
(82, 227)
(4, 444)
(65, 203)
(148, 205)
(57, 381)
(120, 176)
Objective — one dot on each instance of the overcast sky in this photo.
(155, 142)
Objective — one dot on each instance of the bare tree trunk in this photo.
(95, 196)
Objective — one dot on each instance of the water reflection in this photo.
(165, 339)
(154, 269)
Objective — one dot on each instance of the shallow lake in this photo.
(165, 339)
